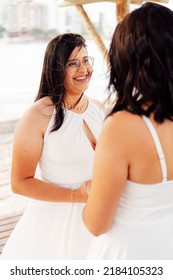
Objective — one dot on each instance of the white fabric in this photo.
(143, 225)
(52, 230)
(158, 147)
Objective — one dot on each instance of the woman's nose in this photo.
(82, 67)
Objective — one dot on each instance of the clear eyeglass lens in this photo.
(74, 65)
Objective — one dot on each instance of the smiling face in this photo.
(77, 80)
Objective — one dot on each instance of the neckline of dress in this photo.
(79, 114)
(161, 183)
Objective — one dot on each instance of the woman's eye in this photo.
(86, 60)
(72, 63)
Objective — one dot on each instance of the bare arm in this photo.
(27, 149)
(110, 175)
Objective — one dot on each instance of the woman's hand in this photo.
(81, 194)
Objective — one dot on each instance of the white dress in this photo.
(55, 230)
(143, 225)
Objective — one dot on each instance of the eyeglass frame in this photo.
(79, 62)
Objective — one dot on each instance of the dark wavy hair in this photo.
(141, 62)
(53, 72)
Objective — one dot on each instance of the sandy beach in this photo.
(9, 202)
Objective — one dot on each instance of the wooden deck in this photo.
(7, 224)
(11, 205)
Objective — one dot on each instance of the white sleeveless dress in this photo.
(55, 230)
(143, 225)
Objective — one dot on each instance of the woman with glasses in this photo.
(57, 136)
(130, 204)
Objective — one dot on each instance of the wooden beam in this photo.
(91, 29)
(138, 2)
(123, 6)
(122, 9)
(65, 3)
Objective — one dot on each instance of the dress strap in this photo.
(158, 147)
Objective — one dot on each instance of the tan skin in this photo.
(28, 141)
(125, 151)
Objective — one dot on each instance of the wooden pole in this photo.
(65, 3)
(122, 9)
(91, 29)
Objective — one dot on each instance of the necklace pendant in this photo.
(71, 107)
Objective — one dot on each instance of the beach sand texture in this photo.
(10, 203)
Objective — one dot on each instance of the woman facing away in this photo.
(58, 133)
(130, 204)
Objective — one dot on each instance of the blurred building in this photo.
(102, 15)
(24, 16)
(33, 17)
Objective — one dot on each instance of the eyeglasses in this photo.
(74, 64)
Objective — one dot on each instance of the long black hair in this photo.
(53, 72)
(141, 62)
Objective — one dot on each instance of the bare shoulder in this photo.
(38, 115)
(123, 125)
(43, 107)
(124, 120)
